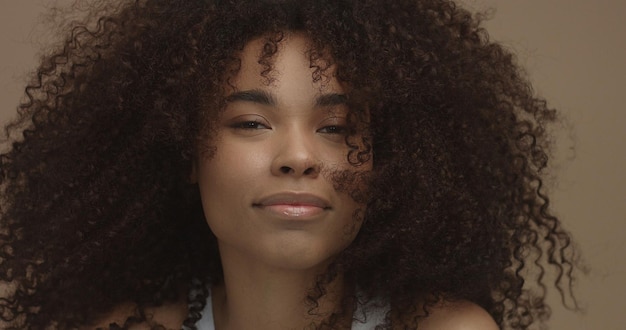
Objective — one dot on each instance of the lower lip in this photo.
(294, 211)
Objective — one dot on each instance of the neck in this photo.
(258, 296)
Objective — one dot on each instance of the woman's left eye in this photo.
(333, 129)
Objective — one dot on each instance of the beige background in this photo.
(574, 52)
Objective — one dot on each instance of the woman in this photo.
(278, 165)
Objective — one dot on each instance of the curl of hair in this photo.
(97, 210)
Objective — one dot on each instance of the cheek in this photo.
(227, 179)
(230, 166)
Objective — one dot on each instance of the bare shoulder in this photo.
(460, 315)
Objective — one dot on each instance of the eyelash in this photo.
(256, 124)
(333, 129)
(249, 125)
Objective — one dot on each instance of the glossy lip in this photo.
(293, 205)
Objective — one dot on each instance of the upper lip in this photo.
(293, 198)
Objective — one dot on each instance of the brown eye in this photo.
(249, 124)
(334, 126)
(333, 129)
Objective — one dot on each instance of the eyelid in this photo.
(240, 121)
(336, 121)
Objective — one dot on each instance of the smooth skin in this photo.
(266, 192)
(268, 199)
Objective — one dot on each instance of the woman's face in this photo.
(265, 191)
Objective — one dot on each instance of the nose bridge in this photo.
(296, 153)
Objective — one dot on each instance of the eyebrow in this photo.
(266, 98)
(331, 99)
(254, 96)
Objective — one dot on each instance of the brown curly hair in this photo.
(96, 200)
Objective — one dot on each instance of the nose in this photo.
(296, 156)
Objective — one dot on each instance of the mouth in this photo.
(293, 205)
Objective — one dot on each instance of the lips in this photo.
(293, 205)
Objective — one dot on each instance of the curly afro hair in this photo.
(95, 186)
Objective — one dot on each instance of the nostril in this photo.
(285, 169)
(309, 171)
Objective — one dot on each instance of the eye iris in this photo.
(248, 125)
(334, 129)
(252, 124)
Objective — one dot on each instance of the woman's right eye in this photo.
(249, 124)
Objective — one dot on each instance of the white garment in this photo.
(374, 314)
